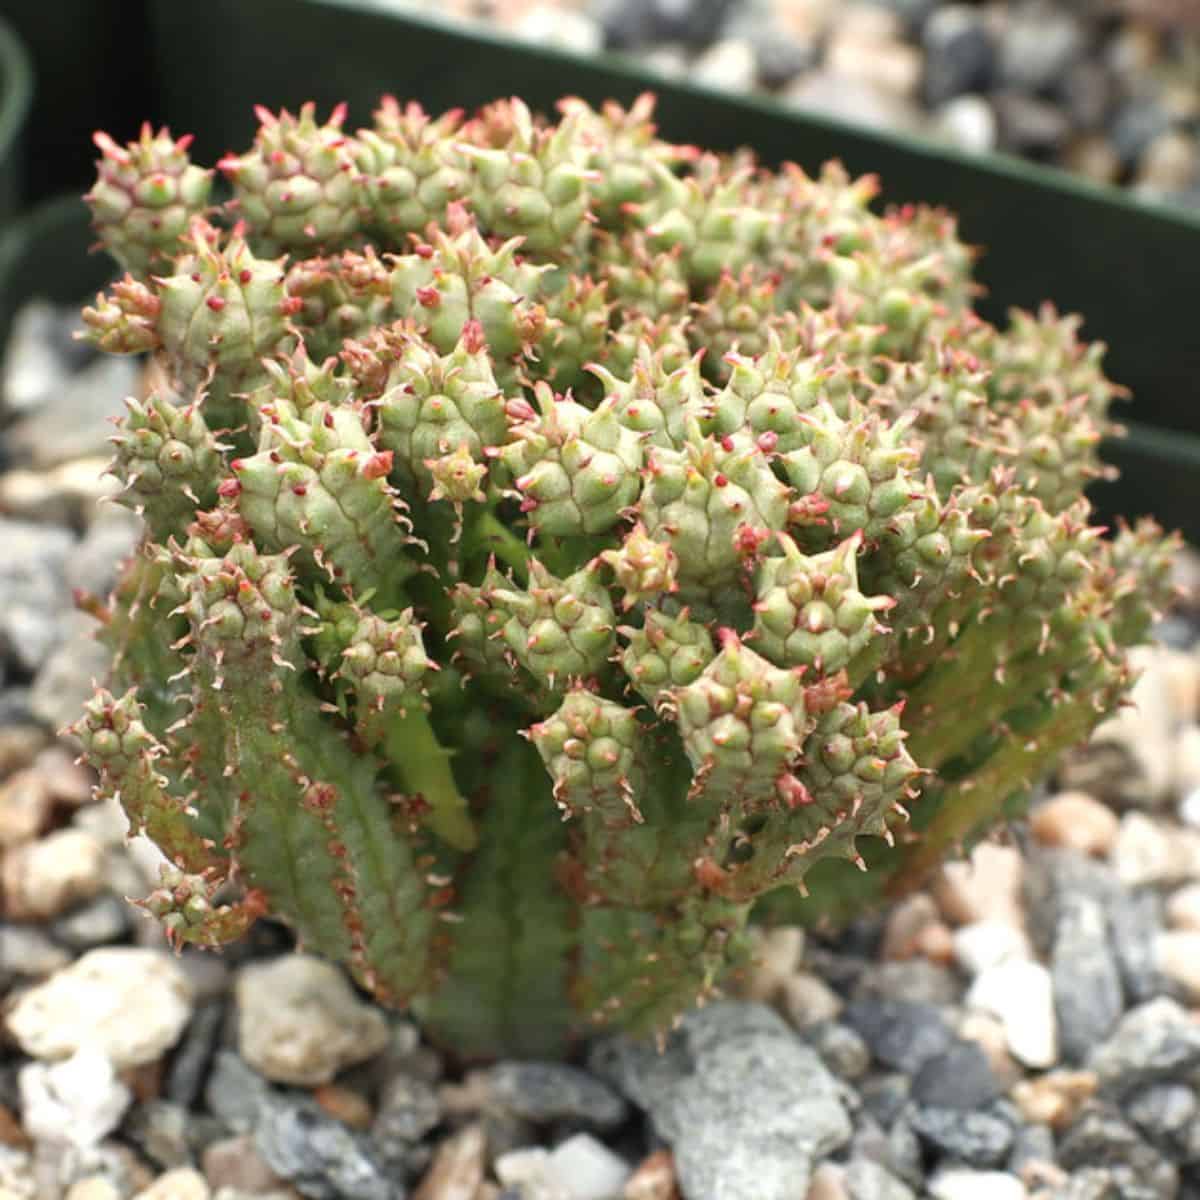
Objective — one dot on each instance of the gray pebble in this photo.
(235, 1093)
(959, 54)
(915, 980)
(1153, 1043)
(1167, 1113)
(959, 1077)
(1029, 125)
(542, 1092)
(25, 950)
(1039, 42)
(33, 595)
(1088, 998)
(901, 1034)
(886, 1095)
(1135, 124)
(841, 1048)
(194, 1053)
(975, 1139)
(162, 1131)
(408, 1109)
(1134, 923)
(99, 922)
(1100, 1138)
(320, 1157)
(1031, 1144)
(867, 1180)
(1086, 93)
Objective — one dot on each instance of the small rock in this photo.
(967, 122)
(1039, 42)
(986, 886)
(984, 944)
(901, 1034)
(1149, 852)
(1183, 908)
(1134, 125)
(98, 561)
(161, 1130)
(852, 100)
(76, 1102)
(1189, 808)
(33, 596)
(1086, 92)
(1093, 156)
(1134, 922)
(324, 1159)
(1169, 1115)
(26, 804)
(34, 368)
(40, 879)
(1055, 1098)
(1171, 162)
(235, 1093)
(654, 1179)
(780, 56)
(977, 1139)
(807, 999)
(987, 1032)
(344, 1104)
(1030, 126)
(1075, 820)
(190, 1062)
(236, 1163)
(132, 1004)
(26, 950)
(458, 1167)
(879, 61)
(841, 1049)
(299, 1021)
(959, 54)
(65, 678)
(408, 1109)
(1100, 1138)
(1152, 1043)
(1088, 998)
(530, 1174)
(906, 922)
(544, 1092)
(1177, 955)
(556, 25)
(915, 980)
(183, 1183)
(589, 1168)
(961, 1183)
(70, 494)
(1021, 995)
(730, 64)
(96, 923)
(960, 1077)
(94, 1188)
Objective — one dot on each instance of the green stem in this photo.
(424, 767)
(492, 535)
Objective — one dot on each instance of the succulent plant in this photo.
(564, 548)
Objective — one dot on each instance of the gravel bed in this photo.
(1109, 89)
(1028, 1027)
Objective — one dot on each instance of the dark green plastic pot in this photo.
(16, 96)
(45, 255)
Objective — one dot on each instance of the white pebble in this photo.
(1021, 995)
(128, 1003)
(1189, 808)
(77, 1102)
(1177, 955)
(183, 1183)
(551, 25)
(589, 1168)
(529, 1171)
(984, 944)
(1148, 851)
(961, 1183)
(43, 878)
(730, 64)
(300, 1022)
(967, 122)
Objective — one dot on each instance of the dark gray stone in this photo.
(779, 57)
(746, 1107)
(408, 1109)
(319, 1156)
(1167, 1113)
(542, 1092)
(975, 1139)
(1088, 998)
(1086, 94)
(886, 1095)
(1153, 1043)
(1135, 124)
(841, 1048)
(1100, 1138)
(901, 1034)
(194, 1054)
(1134, 921)
(916, 980)
(161, 1130)
(1031, 1144)
(959, 54)
(960, 1077)
(1029, 125)
(631, 24)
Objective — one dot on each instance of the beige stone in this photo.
(458, 1167)
(42, 879)
(1055, 1098)
(1152, 851)
(905, 924)
(986, 886)
(1183, 907)
(775, 954)
(1187, 760)
(1177, 955)
(94, 1188)
(654, 1179)
(828, 1183)
(235, 1162)
(184, 1183)
(1077, 821)
(26, 804)
(805, 1000)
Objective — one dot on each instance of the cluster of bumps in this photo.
(563, 546)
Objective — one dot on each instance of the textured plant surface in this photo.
(563, 546)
